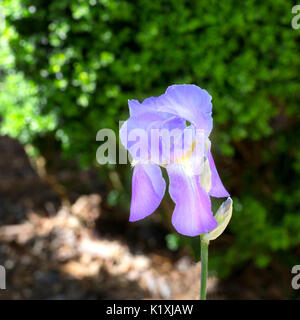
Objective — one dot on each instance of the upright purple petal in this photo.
(192, 215)
(139, 124)
(144, 123)
(164, 139)
(148, 105)
(148, 189)
(134, 107)
(190, 103)
(217, 189)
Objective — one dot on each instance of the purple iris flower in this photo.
(193, 176)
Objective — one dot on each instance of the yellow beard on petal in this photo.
(188, 155)
(189, 169)
(185, 161)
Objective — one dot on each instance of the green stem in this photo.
(204, 268)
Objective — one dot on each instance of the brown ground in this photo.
(85, 250)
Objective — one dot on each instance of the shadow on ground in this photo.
(84, 250)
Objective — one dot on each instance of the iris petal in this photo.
(144, 123)
(148, 105)
(148, 188)
(190, 103)
(217, 188)
(192, 215)
(186, 101)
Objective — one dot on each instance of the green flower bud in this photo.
(223, 217)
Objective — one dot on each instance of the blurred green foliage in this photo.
(68, 67)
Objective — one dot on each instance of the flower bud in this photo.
(223, 217)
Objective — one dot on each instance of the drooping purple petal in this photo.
(148, 189)
(192, 215)
(217, 188)
(190, 103)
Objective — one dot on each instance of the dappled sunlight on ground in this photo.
(83, 250)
